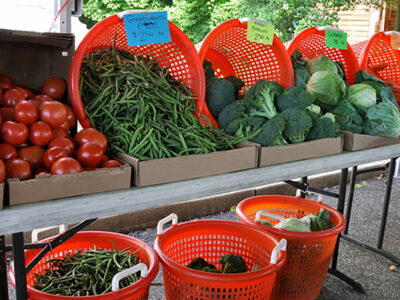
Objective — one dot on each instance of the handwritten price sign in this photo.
(336, 39)
(260, 32)
(147, 28)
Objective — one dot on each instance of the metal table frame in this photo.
(16, 220)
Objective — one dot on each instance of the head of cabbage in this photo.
(321, 63)
(293, 224)
(383, 119)
(361, 95)
(327, 87)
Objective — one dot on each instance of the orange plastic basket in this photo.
(311, 43)
(211, 239)
(377, 50)
(230, 53)
(179, 55)
(83, 241)
(309, 254)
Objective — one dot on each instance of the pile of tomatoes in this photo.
(36, 133)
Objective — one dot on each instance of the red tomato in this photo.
(7, 151)
(111, 164)
(53, 112)
(35, 102)
(25, 91)
(1, 120)
(41, 172)
(14, 133)
(26, 112)
(43, 98)
(65, 165)
(103, 159)
(90, 154)
(70, 116)
(64, 143)
(65, 125)
(52, 154)
(18, 168)
(59, 132)
(33, 155)
(55, 87)
(7, 113)
(2, 171)
(40, 133)
(12, 97)
(5, 82)
(91, 135)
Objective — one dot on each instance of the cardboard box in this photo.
(355, 141)
(282, 154)
(31, 57)
(49, 187)
(2, 195)
(165, 170)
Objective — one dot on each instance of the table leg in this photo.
(3, 270)
(340, 208)
(386, 202)
(19, 265)
(351, 195)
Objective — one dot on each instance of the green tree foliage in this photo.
(197, 18)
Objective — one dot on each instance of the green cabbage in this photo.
(293, 224)
(326, 87)
(321, 63)
(383, 119)
(361, 95)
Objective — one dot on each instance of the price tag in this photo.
(336, 39)
(395, 41)
(260, 32)
(147, 28)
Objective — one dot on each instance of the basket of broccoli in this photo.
(214, 259)
(311, 230)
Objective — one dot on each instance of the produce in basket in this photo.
(143, 111)
(37, 133)
(86, 273)
(230, 263)
(310, 223)
(369, 106)
(271, 116)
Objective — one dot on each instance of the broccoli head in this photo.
(231, 263)
(348, 117)
(260, 98)
(298, 123)
(245, 127)
(272, 132)
(231, 112)
(201, 264)
(294, 97)
(323, 127)
(219, 93)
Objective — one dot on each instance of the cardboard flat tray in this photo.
(282, 154)
(355, 141)
(48, 187)
(173, 169)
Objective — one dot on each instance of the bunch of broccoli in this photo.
(230, 263)
(266, 113)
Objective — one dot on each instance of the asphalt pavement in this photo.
(369, 269)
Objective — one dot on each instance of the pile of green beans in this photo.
(86, 273)
(142, 110)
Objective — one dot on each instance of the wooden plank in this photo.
(74, 209)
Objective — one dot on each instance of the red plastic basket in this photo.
(83, 241)
(230, 53)
(211, 239)
(179, 55)
(378, 49)
(311, 43)
(309, 254)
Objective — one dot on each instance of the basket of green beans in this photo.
(93, 265)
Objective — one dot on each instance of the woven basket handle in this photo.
(391, 32)
(128, 272)
(270, 215)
